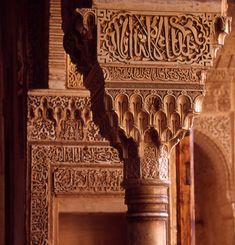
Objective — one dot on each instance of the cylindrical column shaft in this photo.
(147, 214)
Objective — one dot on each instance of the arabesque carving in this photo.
(66, 118)
(93, 168)
(137, 38)
(145, 72)
(161, 74)
(39, 205)
(74, 79)
(72, 169)
(89, 180)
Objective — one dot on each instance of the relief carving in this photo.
(81, 154)
(134, 38)
(218, 128)
(84, 179)
(164, 74)
(74, 79)
(73, 169)
(39, 226)
(169, 112)
(64, 118)
(154, 164)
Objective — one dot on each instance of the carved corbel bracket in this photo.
(223, 25)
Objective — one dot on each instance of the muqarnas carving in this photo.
(138, 110)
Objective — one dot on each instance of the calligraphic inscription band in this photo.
(134, 38)
(160, 74)
(85, 179)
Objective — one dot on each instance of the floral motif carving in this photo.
(154, 164)
(80, 154)
(164, 74)
(84, 179)
(136, 38)
(74, 78)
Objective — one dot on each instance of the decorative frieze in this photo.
(144, 38)
(61, 118)
(90, 180)
(160, 74)
(74, 154)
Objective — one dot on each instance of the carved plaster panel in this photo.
(67, 155)
(143, 74)
(217, 128)
(137, 38)
(63, 169)
(73, 155)
(74, 79)
(90, 180)
(61, 118)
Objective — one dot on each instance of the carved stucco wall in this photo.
(214, 139)
(67, 153)
(67, 156)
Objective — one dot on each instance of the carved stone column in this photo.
(146, 80)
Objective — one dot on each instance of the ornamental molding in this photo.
(169, 112)
(63, 169)
(160, 74)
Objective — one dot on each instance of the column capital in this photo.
(146, 76)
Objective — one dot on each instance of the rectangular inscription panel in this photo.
(134, 38)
